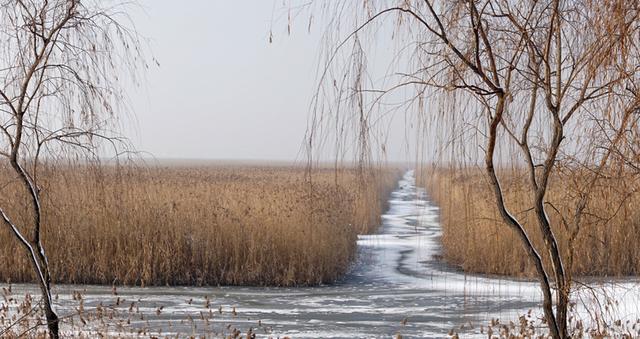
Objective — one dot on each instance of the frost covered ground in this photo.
(397, 286)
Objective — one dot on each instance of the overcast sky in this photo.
(222, 91)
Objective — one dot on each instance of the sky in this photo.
(222, 91)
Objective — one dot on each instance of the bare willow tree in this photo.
(537, 85)
(61, 64)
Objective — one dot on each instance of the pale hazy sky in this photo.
(222, 91)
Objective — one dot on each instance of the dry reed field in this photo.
(475, 238)
(198, 225)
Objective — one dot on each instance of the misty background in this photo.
(222, 90)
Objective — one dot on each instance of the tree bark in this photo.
(547, 306)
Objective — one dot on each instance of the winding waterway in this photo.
(397, 286)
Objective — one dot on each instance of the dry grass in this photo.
(133, 316)
(529, 326)
(475, 238)
(22, 316)
(202, 225)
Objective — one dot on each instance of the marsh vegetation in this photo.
(199, 225)
(475, 238)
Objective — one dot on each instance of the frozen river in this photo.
(398, 286)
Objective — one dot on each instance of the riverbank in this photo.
(198, 224)
(476, 240)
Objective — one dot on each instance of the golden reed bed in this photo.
(198, 224)
(475, 238)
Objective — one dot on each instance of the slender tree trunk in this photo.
(42, 276)
(53, 322)
(39, 258)
(550, 242)
(547, 306)
(562, 292)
